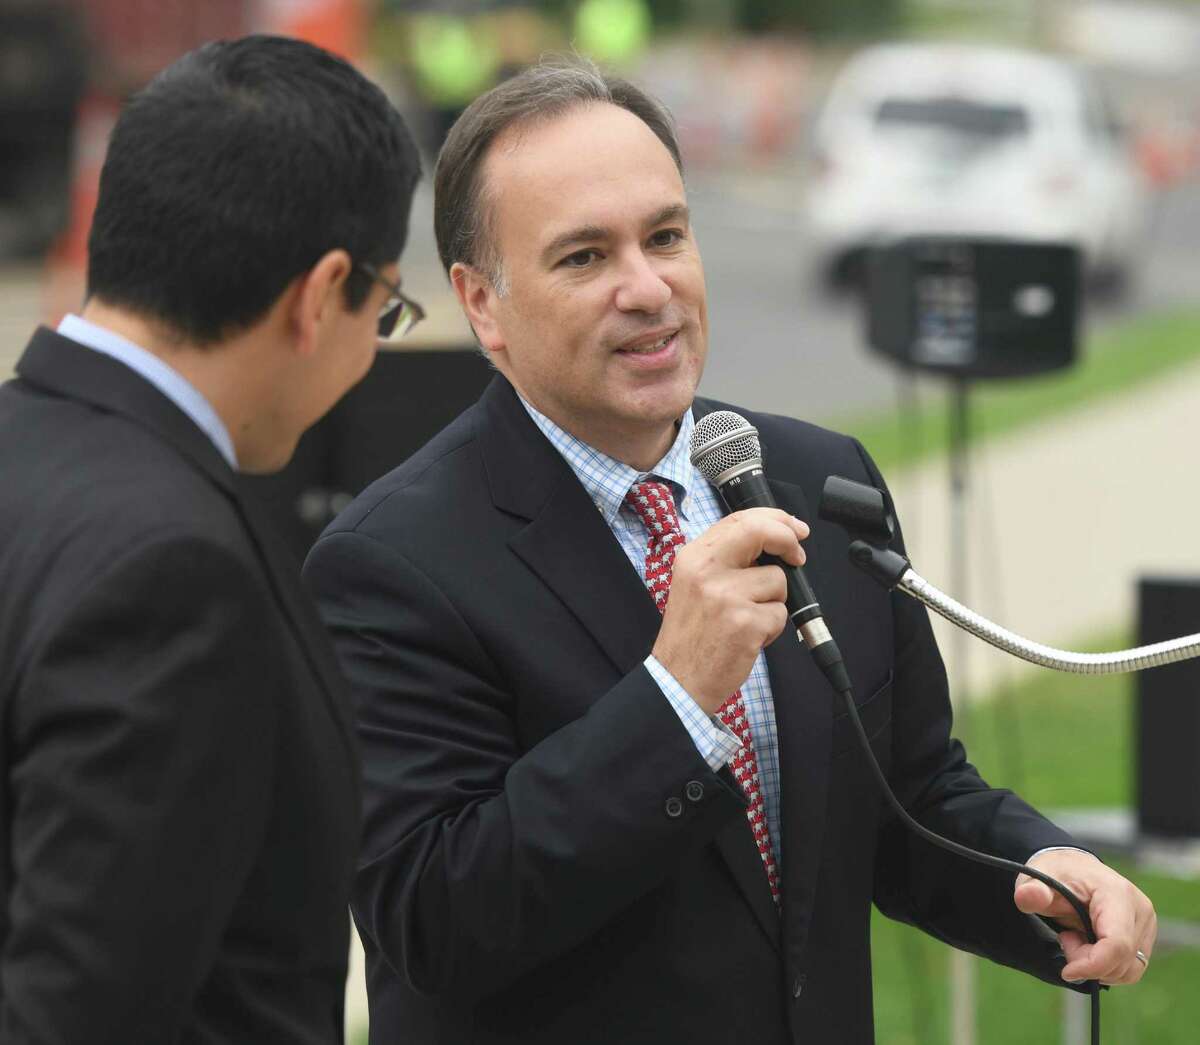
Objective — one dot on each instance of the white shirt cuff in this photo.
(715, 741)
(1055, 849)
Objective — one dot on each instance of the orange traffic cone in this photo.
(339, 26)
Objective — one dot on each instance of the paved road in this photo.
(781, 344)
(20, 311)
(778, 341)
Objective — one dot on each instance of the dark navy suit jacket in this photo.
(180, 781)
(524, 878)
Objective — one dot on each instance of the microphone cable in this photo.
(967, 853)
(726, 450)
(862, 510)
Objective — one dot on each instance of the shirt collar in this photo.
(608, 480)
(160, 374)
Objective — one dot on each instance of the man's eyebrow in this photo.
(672, 212)
(573, 237)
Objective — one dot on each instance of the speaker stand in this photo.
(963, 968)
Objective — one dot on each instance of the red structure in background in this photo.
(132, 40)
(339, 26)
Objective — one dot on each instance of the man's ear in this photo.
(479, 300)
(319, 299)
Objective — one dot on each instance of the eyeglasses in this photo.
(399, 313)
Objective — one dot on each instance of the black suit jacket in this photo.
(180, 778)
(524, 878)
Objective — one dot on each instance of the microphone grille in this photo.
(722, 441)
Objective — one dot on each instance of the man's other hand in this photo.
(1121, 914)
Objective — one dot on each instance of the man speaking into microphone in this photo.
(609, 796)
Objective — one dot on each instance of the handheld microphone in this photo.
(726, 451)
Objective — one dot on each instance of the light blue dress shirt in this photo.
(167, 380)
(606, 481)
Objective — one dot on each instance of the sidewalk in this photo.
(20, 312)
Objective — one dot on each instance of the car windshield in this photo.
(954, 116)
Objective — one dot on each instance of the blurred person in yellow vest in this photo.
(454, 59)
(613, 32)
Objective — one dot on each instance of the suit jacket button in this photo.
(694, 790)
(798, 986)
(674, 808)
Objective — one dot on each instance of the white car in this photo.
(937, 139)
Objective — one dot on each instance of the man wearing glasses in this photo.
(399, 314)
(181, 790)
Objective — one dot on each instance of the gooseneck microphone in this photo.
(726, 451)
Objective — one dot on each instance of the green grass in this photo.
(934, 21)
(1113, 362)
(1060, 741)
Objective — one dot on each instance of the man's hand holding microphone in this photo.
(724, 607)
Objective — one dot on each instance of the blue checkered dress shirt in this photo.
(606, 482)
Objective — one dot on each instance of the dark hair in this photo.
(234, 171)
(541, 92)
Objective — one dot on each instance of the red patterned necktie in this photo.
(655, 506)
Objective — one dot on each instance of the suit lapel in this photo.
(567, 543)
(65, 368)
(572, 550)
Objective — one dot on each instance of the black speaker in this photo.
(1167, 714)
(974, 308)
(406, 398)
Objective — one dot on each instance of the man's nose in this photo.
(641, 287)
